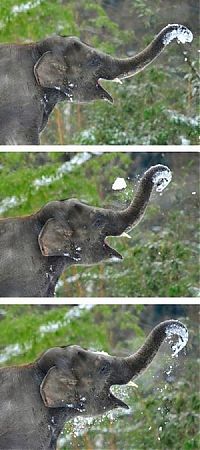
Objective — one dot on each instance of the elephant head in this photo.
(75, 69)
(80, 380)
(78, 231)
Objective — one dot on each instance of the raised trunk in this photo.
(158, 176)
(143, 357)
(123, 68)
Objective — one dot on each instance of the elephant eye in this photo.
(82, 354)
(77, 45)
(97, 222)
(104, 369)
(94, 61)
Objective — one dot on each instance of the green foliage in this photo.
(161, 258)
(22, 21)
(22, 325)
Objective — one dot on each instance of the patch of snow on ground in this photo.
(77, 160)
(89, 134)
(25, 7)
(73, 278)
(44, 181)
(12, 350)
(68, 166)
(184, 140)
(73, 313)
(181, 118)
(9, 202)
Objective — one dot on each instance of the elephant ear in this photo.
(58, 389)
(50, 71)
(55, 239)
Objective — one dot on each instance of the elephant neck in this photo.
(54, 418)
(19, 122)
(24, 106)
(51, 273)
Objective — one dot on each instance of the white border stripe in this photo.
(101, 301)
(100, 148)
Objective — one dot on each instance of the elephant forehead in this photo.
(83, 356)
(75, 208)
(77, 205)
(74, 44)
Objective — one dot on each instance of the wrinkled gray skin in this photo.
(37, 399)
(35, 249)
(34, 77)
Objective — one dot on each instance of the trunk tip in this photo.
(176, 31)
(162, 178)
(177, 328)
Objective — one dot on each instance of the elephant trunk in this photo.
(124, 68)
(138, 362)
(158, 176)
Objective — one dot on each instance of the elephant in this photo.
(35, 249)
(65, 382)
(34, 77)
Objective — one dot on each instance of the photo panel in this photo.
(99, 223)
(64, 64)
(74, 375)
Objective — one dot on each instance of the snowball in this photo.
(161, 179)
(181, 33)
(119, 184)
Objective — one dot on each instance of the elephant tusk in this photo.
(117, 80)
(126, 235)
(132, 384)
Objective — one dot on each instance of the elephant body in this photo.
(26, 424)
(24, 108)
(25, 272)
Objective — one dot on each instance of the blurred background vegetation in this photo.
(164, 410)
(160, 259)
(158, 106)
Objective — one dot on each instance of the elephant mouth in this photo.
(111, 252)
(117, 402)
(101, 92)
